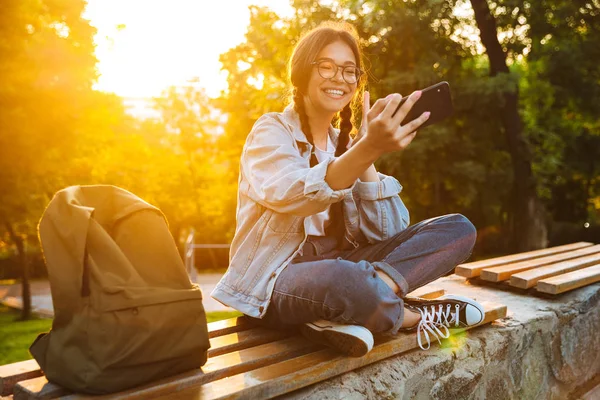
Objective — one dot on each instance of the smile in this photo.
(334, 92)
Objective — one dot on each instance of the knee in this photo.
(349, 283)
(375, 305)
(465, 233)
(463, 228)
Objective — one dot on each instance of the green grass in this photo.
(16, 336)
(219, 315)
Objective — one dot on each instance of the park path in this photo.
(41, 299)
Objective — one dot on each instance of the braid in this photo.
(299, 108)
(346, 127)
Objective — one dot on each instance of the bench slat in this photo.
(221, 345)
(528, 279)
(216, 368)
(10, 374)
(302, 371)
(227, 326)
(502, 273)
(228, 336)
(38, 388)
(244, 339)
(427, 292)
(473, 269)
(569, 281)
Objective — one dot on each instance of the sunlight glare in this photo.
(143, 46)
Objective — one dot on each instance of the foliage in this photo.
(449, 168)
(463, 164)
(48, 67)
(56, 131)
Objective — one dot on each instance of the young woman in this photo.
(322, 239)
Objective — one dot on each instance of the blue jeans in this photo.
(343, 285)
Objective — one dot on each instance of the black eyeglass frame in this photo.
(337, 68)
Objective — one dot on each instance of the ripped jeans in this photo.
(343, 285)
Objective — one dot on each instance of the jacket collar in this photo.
(292, 119)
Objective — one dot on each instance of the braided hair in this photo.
(300, 69)
(346, 126)
(299, 108)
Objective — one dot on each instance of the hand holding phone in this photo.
(392, 122)
(435, 99)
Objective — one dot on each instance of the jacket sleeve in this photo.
(381, 211)
(279, 177)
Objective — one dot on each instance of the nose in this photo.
(339, 75)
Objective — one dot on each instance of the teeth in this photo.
(334, 91)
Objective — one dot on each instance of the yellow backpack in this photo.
(125, 310)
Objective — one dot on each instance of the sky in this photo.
(145, 46)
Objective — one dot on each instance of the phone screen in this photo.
(435, 99)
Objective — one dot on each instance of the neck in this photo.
(319, 122)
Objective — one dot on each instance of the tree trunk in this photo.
(25, 287)
(527, 222)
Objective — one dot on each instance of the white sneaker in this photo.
(440, 315)
(352, 340)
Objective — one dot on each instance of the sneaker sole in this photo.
(469, 301)
(343, 342)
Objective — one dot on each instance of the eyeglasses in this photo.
(328, 69)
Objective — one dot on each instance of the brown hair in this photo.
(299, 71)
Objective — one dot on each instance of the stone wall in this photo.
(545, 349)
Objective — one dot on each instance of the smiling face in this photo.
(328, 96)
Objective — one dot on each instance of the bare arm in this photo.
(347, 168)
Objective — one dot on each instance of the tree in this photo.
(527, 216)
(47, 69)
(563, 102)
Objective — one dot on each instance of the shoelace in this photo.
(432, 321)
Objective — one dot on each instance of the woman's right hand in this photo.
(384, 133)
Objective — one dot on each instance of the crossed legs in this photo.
(365, 286)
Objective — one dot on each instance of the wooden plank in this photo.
(502, 273)
(231, 340)
(227, 326)
(219, 345)
(10, 374)
(16, 372)
(569, 281)
(38, 388)
(427, 292)
(284, 377)
(528, 279)
(473, 269)
(243, 340)
(216, 368)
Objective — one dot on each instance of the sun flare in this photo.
(143, 46)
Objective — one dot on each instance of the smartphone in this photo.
(435, 99)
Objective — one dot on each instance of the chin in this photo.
(335, 105)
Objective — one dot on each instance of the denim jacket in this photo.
(277, 191)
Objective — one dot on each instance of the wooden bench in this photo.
(553, 270)
(245, 361)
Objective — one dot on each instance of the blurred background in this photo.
(157, 97)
